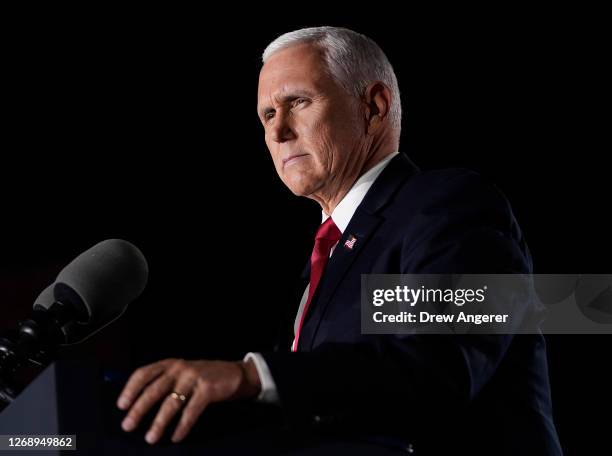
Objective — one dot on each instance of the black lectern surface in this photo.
(79, 399)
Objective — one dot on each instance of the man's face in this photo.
(312, 126)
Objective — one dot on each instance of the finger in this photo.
(169, 408)
(149, 397)
(137, 381)
(192, 411)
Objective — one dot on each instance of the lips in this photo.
(292, 158)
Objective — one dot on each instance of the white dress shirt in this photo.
(341, 215)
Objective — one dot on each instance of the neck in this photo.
(329, 198)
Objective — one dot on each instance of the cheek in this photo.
(318, 139)
(345, 120)
(349, 123)
(332, 141)
(273, 150)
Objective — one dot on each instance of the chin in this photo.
(300, 188)
(303, 181)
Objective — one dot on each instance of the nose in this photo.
(281, 129)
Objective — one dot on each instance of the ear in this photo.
(377, 100)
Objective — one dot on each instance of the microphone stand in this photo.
(34, 345)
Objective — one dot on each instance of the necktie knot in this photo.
(328, 231)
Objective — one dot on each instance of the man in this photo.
(329, 103)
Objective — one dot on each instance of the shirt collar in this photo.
(345, 209)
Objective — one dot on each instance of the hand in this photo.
(202, 382)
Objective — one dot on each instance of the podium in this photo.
(63, 400)
(77, 398)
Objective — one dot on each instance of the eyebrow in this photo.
(292, 95)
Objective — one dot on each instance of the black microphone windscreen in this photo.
(102, 281)
(45, 299)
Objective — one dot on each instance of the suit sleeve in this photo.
(468, 228)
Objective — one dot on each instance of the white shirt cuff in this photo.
(268, 393)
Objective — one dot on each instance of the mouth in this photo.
(292, 159)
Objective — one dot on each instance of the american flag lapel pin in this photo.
(350, 242)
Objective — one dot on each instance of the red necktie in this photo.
(327, 236)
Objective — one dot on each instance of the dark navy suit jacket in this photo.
(461, 393)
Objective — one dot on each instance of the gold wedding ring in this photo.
(178, 396)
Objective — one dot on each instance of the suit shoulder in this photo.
(449, 178)
(457, 220)
(453, 187)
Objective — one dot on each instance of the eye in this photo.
(299, 101)
(268, 115)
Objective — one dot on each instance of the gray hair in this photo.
(353, 60)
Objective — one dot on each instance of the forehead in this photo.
(294, 68)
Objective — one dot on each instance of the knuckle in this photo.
(156, 390)
(138, 374)
(173, 405)
(177, 365)
(204, 386)
(135, 413)
(187, 422)
(189, 417)
(157, 428)
(190, 373)
(138, 408)
(129, 394)
(159, 422)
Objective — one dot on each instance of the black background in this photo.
(142, 125)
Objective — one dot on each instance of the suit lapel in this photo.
(362, 226)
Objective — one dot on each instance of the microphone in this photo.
(89, 293)
(95, 288)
